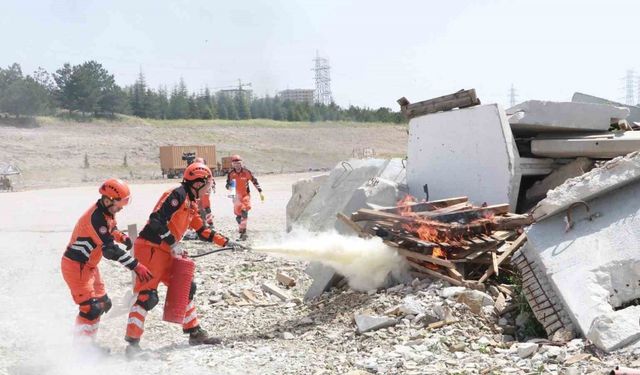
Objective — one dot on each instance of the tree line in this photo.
(88, 89)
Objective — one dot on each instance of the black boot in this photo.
(198, 336)
(133, 350)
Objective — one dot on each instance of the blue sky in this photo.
(378, 50)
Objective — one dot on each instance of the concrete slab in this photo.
(332, 196)
(604, 146)
(536, 116)
(301, 194)
(612, 175)
(634, 111)
(594, 268)
(455, 150)
(573, 169)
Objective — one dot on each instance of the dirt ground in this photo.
(52, 155)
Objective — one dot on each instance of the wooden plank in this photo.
(426, 206)
(355, 227)
(455, 274)
(428, 258)
(469, 214)
(460, 99)
(435, 274)
(509, 248)
(494, 261)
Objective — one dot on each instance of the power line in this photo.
(513, 96)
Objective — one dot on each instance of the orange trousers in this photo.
(241, 207)
(158, 261)
(84, 283)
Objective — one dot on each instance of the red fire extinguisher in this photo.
(175, 304)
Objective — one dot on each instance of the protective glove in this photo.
(178, 251)
(235, 245)
(261, 196)
(126, 241)
(143, 273)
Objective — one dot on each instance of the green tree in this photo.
(24, 97)
(242, 105)
(178, 103)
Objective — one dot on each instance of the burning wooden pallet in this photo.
(448, 239)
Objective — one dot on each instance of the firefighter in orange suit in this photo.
(93, 237)
(205, 201)
(159, 241)
(242, 200)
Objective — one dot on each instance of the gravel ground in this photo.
(262, 334)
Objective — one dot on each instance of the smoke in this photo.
(365, 263)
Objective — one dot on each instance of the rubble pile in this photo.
(449, 239)
(420, 327)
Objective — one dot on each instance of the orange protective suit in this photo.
(174, 213)
(242, 200)
(92, 238)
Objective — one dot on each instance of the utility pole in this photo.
(513, 96)
(322, 94)
(629, 87)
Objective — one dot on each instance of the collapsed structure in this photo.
(548, 160)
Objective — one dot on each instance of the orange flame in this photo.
(403, 205)
(439, 253)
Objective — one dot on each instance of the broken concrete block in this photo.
(301, 194)
(575, 168)
(377, 191)
(452, 151)
(593, 268)
(612, 175)
(366, 323)
(527, 349)
(634, 111)
(615, 330)
(602, 146)
(475, 299)
(536, 116)
(272, 289)
(285, 279)
(324, 277)
(451, 291)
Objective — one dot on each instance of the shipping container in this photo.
(173, 159)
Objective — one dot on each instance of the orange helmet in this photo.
(116, 190)
(197, 172)
(236, 158)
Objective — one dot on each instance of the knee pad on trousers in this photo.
(106, 303)
(238, 219)
(244, 214)
(192, 291)
(147, 299)
(91, 309)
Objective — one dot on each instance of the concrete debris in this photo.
(366, 323)
(634, 111)
(487, 160)
(573, 169)
(475, 299)
(302, 192)
(270, 288)
(536, 116)
(612, 175)
(526, 349)
(285, 279)
(616, 329)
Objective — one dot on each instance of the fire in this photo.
(439, 253)
(404, 208)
